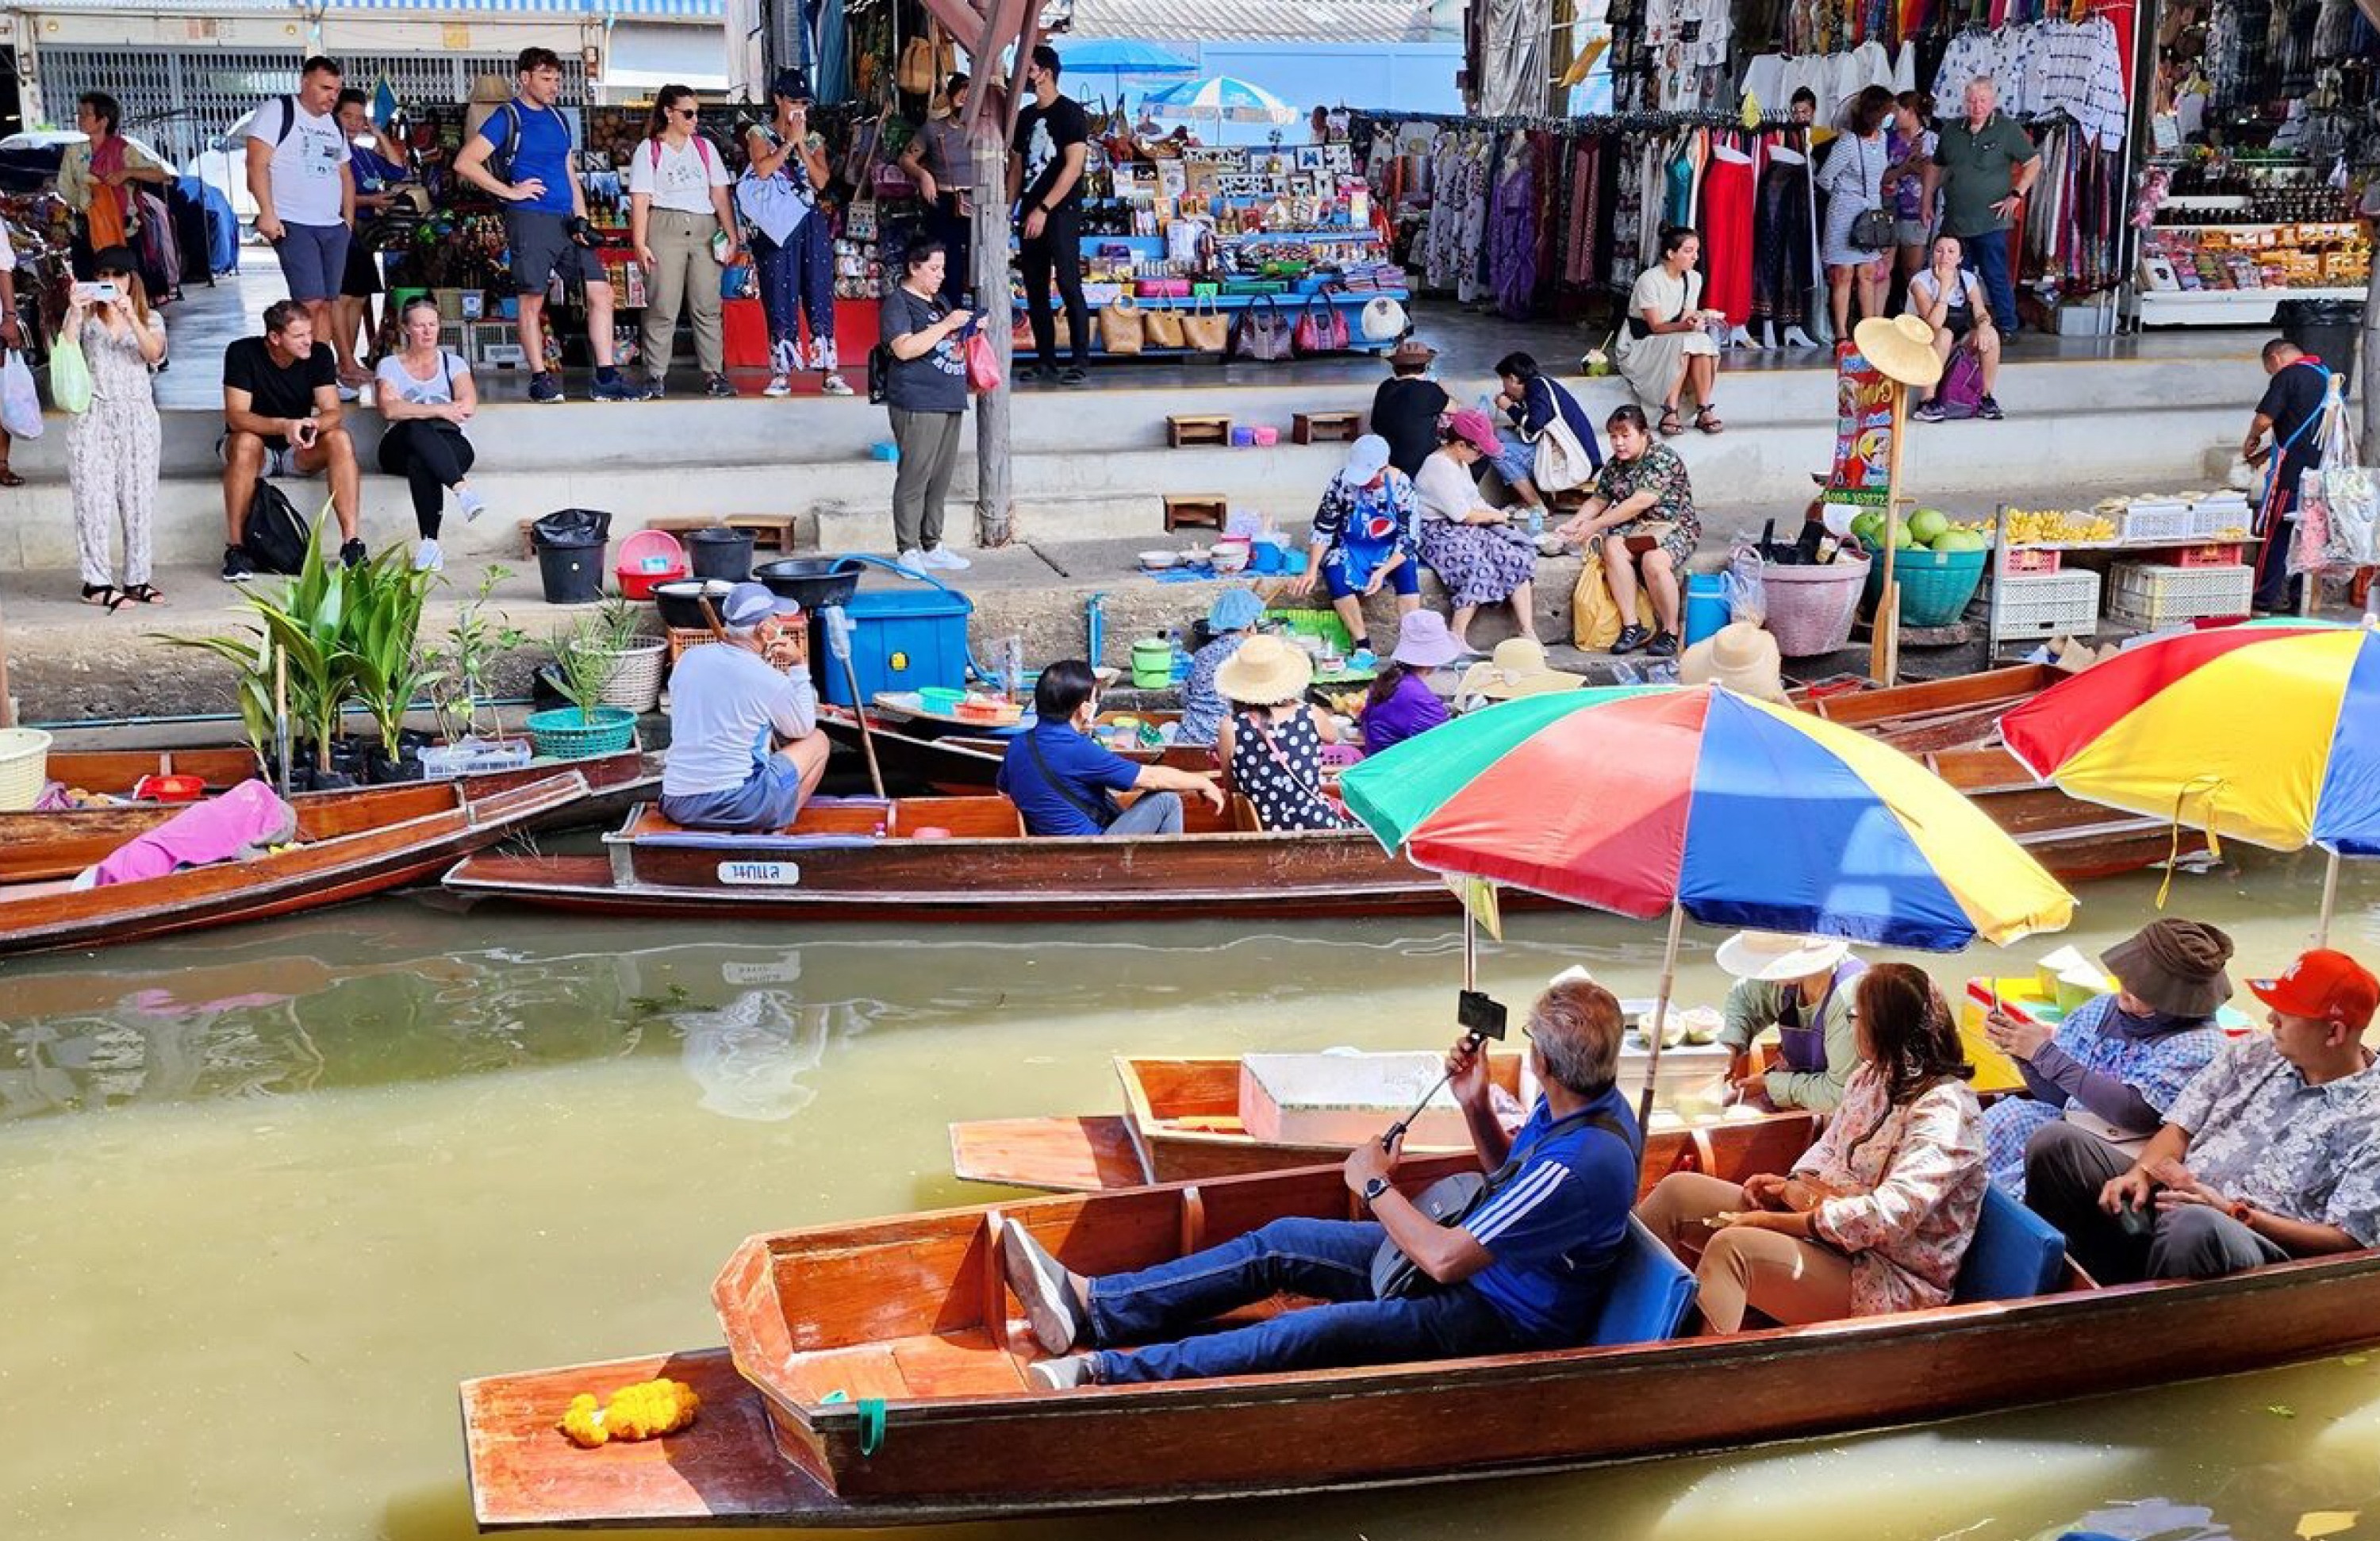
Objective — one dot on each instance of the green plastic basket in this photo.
(1324, 623)
(1935, 586)
(565, 733)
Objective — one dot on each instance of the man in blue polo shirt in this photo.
(545, 219)
(1058, 778)
(1525, 1271)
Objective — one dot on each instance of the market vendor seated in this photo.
(2119, 1060)
(1642, 517)
(727, 705)
(1364, 537)
(1803, 987)
(2271, 1152)
(1523, 1272)
(1875, 1217)
(1059, 776)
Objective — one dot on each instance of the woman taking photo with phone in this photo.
(112, 446)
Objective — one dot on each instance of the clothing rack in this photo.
(1597, 123)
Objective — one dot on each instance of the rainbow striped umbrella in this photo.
(2267, 731)
(1707, 804)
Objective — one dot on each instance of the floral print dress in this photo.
(1659, 471)
(1914, 1179)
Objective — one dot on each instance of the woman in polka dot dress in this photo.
(1271, 740)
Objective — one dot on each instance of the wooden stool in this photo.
(1199, 427)
(1304, 427)
(1194, 510)
(770, 532)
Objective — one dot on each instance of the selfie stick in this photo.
(1471, 1040)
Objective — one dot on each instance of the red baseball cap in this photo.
(2326, 985)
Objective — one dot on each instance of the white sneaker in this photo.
(428, 558)
(471, 503)
(778, 386)
(835, 385)
(947, 560)
(913, 563)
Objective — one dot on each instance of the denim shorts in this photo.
(767, 800)
(1517, 460)
(314, 259)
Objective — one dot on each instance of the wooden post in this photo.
(988, 241)
(1884, 641)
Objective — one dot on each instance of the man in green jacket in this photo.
(1803, 988)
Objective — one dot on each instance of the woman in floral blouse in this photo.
(1642, 511)
(1877, 1215)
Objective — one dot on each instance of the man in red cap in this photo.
(2281, 1135)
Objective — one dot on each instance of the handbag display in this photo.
(1162, 328)
(1384, 319)
(1321, 327)
(1120, 328)
(927, 62)
(1204, 329)
(1264, 333)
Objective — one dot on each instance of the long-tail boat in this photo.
(966, 859)
(1182, 1121)
(874, 1373)
(38, 846)
(349, 844)
(958, 764)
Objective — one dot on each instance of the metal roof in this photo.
(1274, 20)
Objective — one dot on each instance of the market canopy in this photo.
(1262, 20)
(1122, 56)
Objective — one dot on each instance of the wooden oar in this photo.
(838, 642)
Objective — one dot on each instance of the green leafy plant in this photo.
(585, 663)
(303, 621)
(250, 655)
(384, 638)
(478, 638)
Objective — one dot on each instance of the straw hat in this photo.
(1517, 668)
(1901, 349)
(2174, 964)
(1424, 642)
(1773, 957)
(1740, 656)
(1266, 671)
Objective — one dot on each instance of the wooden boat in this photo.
(860, 858)
(349, 844)
(1182, 1123)
(873, 1374)
(36, 847)
(958, 764)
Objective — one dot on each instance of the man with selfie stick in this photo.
(282, 417)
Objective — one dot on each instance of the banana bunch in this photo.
(2056, 525)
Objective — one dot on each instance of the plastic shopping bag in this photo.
(2339, 506)
(982, 364)
(70, 376)
(21, 402)
(1746, 590)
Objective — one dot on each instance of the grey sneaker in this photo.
(1044, 1286)
(544, 388)
(1062, 1374)
(717, 387)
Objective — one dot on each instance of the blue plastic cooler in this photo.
(904, 638)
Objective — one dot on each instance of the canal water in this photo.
(267, 1195)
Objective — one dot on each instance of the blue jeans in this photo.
(1151, 813)
(1986, 256)
(1328, 1259)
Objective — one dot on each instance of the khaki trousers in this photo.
(684, 276)
(1785, 1279)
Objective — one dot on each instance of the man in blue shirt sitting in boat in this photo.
(1524, 1270)
(1059, 776)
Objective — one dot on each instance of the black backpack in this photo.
(879, 373)
(273, 538)
(500, 156)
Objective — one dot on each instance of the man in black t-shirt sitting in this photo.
(2290, 412)
(282, 417)
(1045, 182)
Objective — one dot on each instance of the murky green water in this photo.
(267, 1195)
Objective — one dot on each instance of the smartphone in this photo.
(1479, 1015)
(97, 294)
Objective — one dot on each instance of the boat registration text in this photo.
(760, 874)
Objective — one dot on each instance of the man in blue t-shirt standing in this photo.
(522, 156)
(1058, 778)
(1525, 1271)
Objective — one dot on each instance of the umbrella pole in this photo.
(1471, 939)
(1660, 1015)
(2329, 901)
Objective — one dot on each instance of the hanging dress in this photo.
(1727, 233)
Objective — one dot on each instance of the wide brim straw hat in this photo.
(1774, 957)
(1517, 668)
(1740, 656)
(1902, 348)
(1265, 671)
(2174, 964)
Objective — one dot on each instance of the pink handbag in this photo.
(1163, 288)
(1321, 327)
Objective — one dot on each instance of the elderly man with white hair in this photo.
(1985, 164)
(745, 749)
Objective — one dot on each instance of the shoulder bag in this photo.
(1561, 462)
(1162, 325)
(1263, 333)
(1120, 327)
(1874, 229)
(1451, 1200)
(1204, 329)
(1321, 327)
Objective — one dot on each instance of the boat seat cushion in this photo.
(2016, 1254)
(1649, 1295)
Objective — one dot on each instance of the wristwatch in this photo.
(1374, 1189)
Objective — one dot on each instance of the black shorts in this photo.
(1958, 322)
(361, 281)
(542, 247)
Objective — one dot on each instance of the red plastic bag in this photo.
(982, 364)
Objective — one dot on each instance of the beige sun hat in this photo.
(1740, 656)
(1517, 668)
(1773, 957)
(1901, 349)
(1265, 671)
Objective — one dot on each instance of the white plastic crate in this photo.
(2216, 517)
(2155, 594)
(2046, 604)
(2161, 520)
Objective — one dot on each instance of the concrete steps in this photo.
(1091, 463)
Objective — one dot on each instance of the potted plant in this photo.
(639, 660)
(477, 639)
(585, 663)
(382, 624)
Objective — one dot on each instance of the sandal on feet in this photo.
(1669, 426)
(101, 594)
(9, 478)
(1710, 421)
(141, 594)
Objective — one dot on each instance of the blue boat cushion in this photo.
(2015, 1255)
(1649, 1295)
